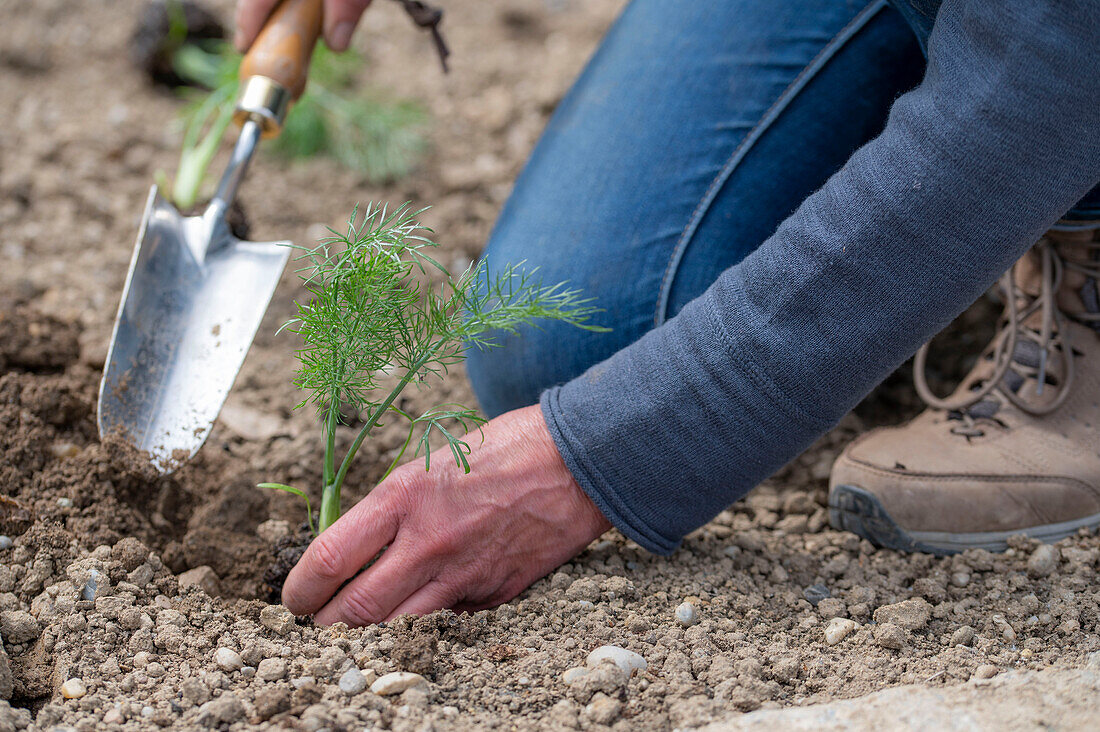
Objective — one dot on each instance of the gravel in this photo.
(816, 593)
(396, 682)
(628, 661)
(1043, 561)
(353, 681)
(686, 615)
(228, 660)
(73, 689)
(963, 636)
(271, 669)
(838, 629)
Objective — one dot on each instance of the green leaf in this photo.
(435, 418)
(298, 492)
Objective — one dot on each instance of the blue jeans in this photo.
(693, 132)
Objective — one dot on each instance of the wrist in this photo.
(591, 519)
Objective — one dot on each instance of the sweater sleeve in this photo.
(997, 142)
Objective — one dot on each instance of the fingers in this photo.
(342, 550)
(340, 19)
(372, 596)
(429, 598)
(251, 15)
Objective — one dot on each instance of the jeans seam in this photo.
(770, 116)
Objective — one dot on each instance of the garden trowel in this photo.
(195, 294)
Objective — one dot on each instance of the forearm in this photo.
(997, 142)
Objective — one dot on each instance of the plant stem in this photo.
(330, 507)
(329, 468)
(330, 498)
(408, 439)
(330, 492)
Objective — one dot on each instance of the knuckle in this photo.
(325, 559)
(437, 544)
(360, 608)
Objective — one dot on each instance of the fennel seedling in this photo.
(370, 318)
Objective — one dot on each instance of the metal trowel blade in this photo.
(193, 300)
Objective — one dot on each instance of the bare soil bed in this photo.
(91, 599)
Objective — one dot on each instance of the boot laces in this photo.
(1033, 328)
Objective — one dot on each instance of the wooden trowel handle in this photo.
(273, 72)
(282, 50)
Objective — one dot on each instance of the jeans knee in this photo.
(504, 377)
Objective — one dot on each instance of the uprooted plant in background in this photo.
(366, 131)
(372, 316)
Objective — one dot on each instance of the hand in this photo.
(340, 17)
(465, 541)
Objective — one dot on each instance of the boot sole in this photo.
(853, 509)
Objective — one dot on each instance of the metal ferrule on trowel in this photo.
(195, 294)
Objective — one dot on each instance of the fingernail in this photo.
(341, 35)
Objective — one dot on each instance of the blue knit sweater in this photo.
(1000, 139)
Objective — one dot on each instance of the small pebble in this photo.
(960, 579)
(816, 593)
(1043, 561)
(838, 629)
(271, 669)
(88, 593)
(303, 681)
(628, 661)
(964, 636)
(985, 671)
(64, 503)
(1002, 625)
(396, 682)
(574, 674)
(228, 660)
(205, 578)
(686, 615)
(353, 681)
(113, 716)
(5, 542)
(73, 689)
(148, 712)
(248, 672)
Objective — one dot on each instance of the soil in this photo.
(129, 586)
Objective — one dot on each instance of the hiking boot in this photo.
(1014, 449)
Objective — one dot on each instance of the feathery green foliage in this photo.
(370, 317)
